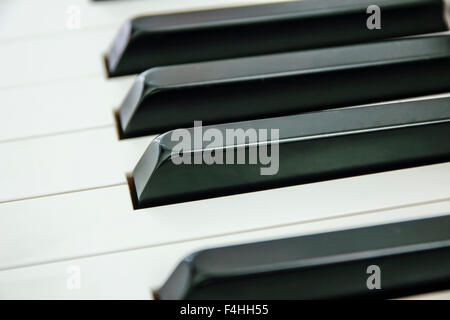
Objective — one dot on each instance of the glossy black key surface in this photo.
(412, 257)
(310, 147)
(167, 98)
(168, 39)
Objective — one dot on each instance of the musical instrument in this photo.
(82, 216)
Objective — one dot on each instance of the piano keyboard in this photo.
(327, 266)
(75, 142)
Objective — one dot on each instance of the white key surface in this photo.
(65, 106)
(66, 162)
(135, 273)
(49, 60)
(102, 220)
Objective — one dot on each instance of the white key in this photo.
(57, 84)
(102, 220)
(41, 60)
(65, 106)
(66, 162)
(134, 274)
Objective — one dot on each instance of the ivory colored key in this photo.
(157, 40)
(102, 220)
(137, 272)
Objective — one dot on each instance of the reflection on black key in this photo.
(168, 39)
(409, 257)
(167, 98)
(190, 164)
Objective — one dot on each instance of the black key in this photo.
(411, 257)
(151, 41)
(179, 166)
(167, 98)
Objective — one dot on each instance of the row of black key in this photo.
(167, 98)
(274, 86)
(147, 42)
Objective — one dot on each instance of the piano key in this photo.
(307, 147)
(66, 162)
(77, 160)
(55, 108)
(73, 53)
(139, 270)
(412, 257)
(102, 220)
(158, 40)
(52, 59)
(167, 98)
(63, 65)
(92, 244)
(24, 17)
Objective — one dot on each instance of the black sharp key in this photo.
(412, 257)
(167, 98)
(310, 147)
(168, 39)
